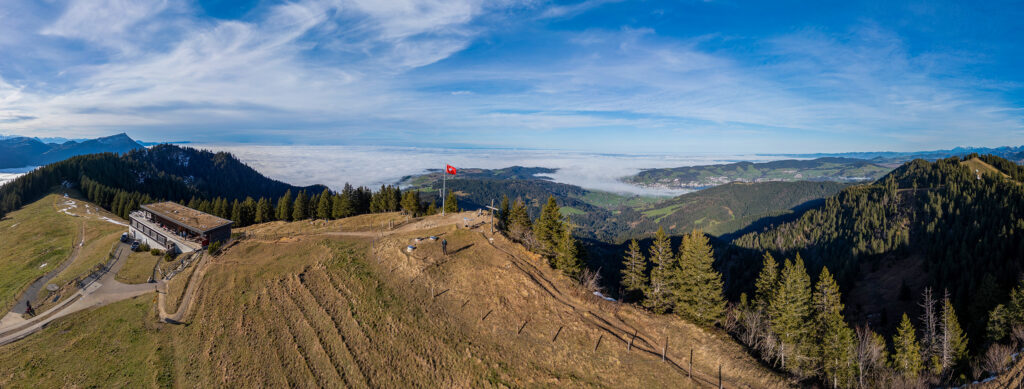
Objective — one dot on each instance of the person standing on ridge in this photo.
(444, 246)
(28, 309)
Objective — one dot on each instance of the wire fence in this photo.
(599, 334)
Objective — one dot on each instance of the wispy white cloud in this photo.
(337, 70)
(560, 11)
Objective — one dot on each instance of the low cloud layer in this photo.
(373, 166)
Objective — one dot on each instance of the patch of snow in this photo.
(109, 220)
(598, 294)
(14, 225)
(43, 265)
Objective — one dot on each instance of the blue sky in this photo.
(603, 76)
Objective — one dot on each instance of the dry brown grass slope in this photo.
(340, 307)
(352, 309)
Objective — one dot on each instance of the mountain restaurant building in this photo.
(174, 227)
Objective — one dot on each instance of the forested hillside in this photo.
(821, 169)
(613, 217)
(962, 223)
(164, 172)
(729, 208)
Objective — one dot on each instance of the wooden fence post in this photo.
(556, 334)
(598, 342)
(719, 376)
(689, 373)
(630, 347)
(664, 350)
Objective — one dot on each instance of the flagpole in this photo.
(444, 179)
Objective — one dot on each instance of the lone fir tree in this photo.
(658, 296)
(697, 286)
(634, 269)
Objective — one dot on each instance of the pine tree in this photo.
(205, 206)
(634, 269)
(503, 213)
(952, 339)
(248, 211)
(548, 226)
(767, 282)
(284, 206)
(223, 208)
(236, 213)
(451, 203)
(263, 212)
(789, 311)
(907, 358)
(411, 203)
(567, 258)
(377, 202)
(519, 216)
(835, 339)
(394, 199)
(342, 206)
(311, 206)
(301, 206)
(432, 209)
(658, 296)
(697, 287)
(362, 203)
(133, 205)
(323, 206)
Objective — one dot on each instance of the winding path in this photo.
(186, 298)
(30, 293)
(105, 290)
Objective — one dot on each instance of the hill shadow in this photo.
(774, 220)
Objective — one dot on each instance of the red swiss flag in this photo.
(451, 169)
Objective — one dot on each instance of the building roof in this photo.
(187, 217)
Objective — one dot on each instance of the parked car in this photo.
(124, 237)
(135, 246)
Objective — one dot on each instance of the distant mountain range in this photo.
(820, 169)
(1013, 153)
(16, 152)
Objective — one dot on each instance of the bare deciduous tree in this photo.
(996, 358)
(1017, 334)
(870, 354)
(591, 280)
(930, 321)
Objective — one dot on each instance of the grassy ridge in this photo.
(33, 236)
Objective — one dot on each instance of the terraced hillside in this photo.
(347, 305)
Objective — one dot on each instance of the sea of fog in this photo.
(8, 175)
(374, 165)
